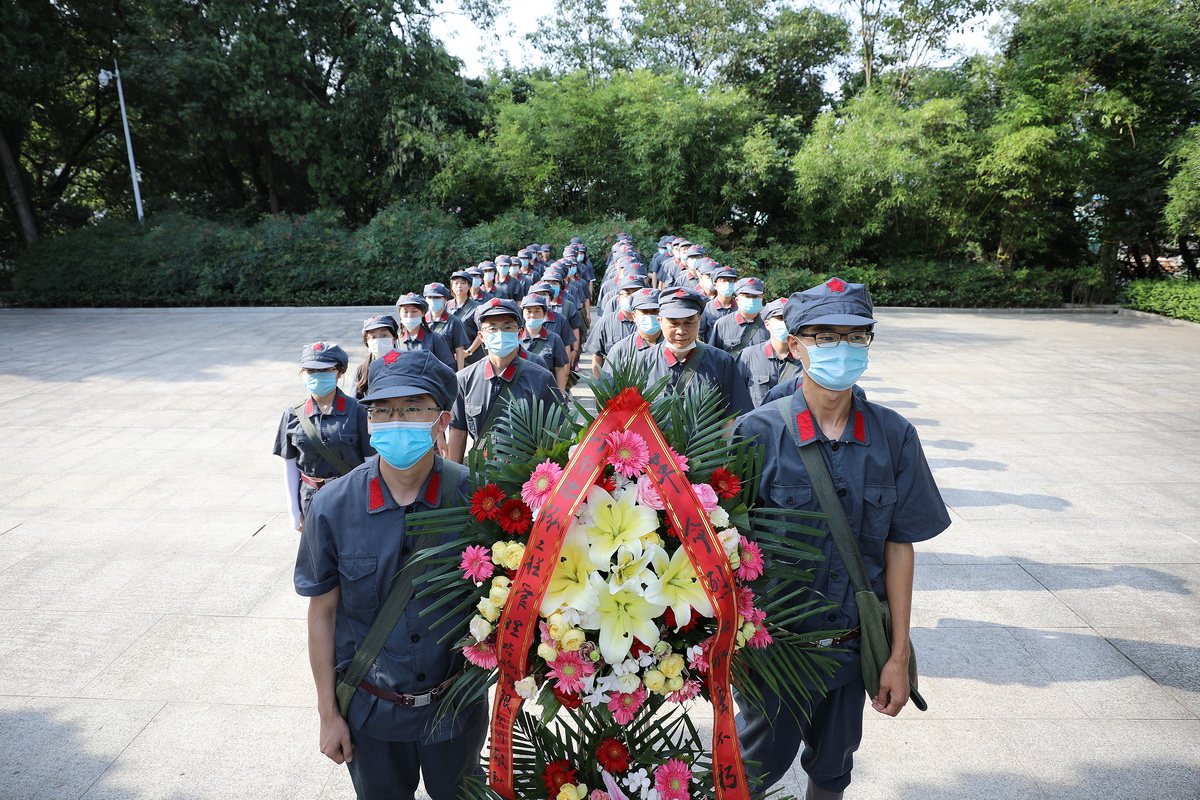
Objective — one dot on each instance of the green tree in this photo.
(580, 35)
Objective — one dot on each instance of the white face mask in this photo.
(378, 347)
(687, 349)
(412, 323)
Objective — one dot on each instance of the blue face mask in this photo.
(649, 325)
(524, 262)
(320, 384)
(535, 324)
(555, 290)
(626, 304)
(580, 257)
(402, 444)
(502, 271)
(436, 307)
(500, 343)
(750, 305)
(571, 270)
(476, 283)
(725, 288)
(778, 330)
(837, 368)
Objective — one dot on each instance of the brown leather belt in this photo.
(414, 700)
(316, 483)
(834, 642)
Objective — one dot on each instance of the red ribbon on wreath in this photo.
(517, 626)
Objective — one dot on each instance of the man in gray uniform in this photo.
(765, 365)
(353, 545)
(507, 374)
(743, 328)
(891, 501)
(612, 328)
(686, 361)
(647, 333)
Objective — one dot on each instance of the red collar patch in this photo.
(860, 427)
(341, 404)
(508, 373)
(804, 422)
(376, 488)
(673, 359)
(432, 490)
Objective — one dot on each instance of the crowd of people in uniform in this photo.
(435, 375)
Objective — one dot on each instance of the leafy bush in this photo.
(1179, 299)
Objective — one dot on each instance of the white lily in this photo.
(679, 587)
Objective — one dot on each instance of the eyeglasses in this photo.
(501, 329)
(381, 414)
(831, 339)
(314, 370)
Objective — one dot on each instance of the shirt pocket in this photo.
(474, 412)
(359, 585)
(793, 495)
(879, 503)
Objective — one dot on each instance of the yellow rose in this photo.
(735, 560)
(675, 684)
(546, 652)
(488, 609)
(501, 582)
(573, 639)
(672, 665)
(558, 626)
(498, 594)
(654, 680)
(514, 554)
(568, 791)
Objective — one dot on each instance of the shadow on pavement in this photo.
(963, 498)
(1063, 577)
(947, 444)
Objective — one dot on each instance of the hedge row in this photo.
(1175, 298)
(315, 260)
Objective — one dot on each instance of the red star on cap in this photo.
(318, 346)
(495, 302)
(836, 285)
(681, 293)
(391, 357)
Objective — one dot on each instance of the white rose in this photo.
(719, 517)
(628, 684)
(527, 687)
(730, 539)
(480, 628)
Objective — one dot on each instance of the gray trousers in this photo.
(830, 733)
(384, 770)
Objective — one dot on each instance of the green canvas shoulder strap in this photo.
(314, 436)
(789, 369)
(397, 599)
(747, 334)
(497, 404)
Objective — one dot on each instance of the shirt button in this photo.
(420, 676)
(831, 616)
(835, 446)
(416, 637)
(833, 576)
(841, 492)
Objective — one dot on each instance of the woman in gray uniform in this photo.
(323, 436)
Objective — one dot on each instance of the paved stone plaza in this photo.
(151, 645)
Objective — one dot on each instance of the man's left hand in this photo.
(893, 688)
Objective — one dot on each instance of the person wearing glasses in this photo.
(323, 436)
(687, 362)
(353, 547)
(507, 374)
(890, 500)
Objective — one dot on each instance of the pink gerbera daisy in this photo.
(623, 706)
(691, 688)
(569, 670)
(628, 453)
(535, 490)
(752, 561)
(680, 460)
(483, 654)
(671, 780)
(745, 601)
(760, 639)
(477, 564)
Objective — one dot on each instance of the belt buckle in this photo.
(825, 642)
(422, 700)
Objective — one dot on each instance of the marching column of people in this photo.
(437, 372)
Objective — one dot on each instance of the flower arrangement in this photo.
(638, 568)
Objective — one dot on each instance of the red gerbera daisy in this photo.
(485, 502)
(608, 483)
(558, 773)
(613, 755)
(725, 483)
(515, 517)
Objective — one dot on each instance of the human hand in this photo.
(893, 688)
(335, 739)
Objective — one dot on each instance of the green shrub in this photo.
(1173, 297)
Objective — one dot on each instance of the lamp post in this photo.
(105, 76)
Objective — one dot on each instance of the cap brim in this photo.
(394, 391)
(675, 312)
(838, 319)
(376, 327)
(314, 364)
